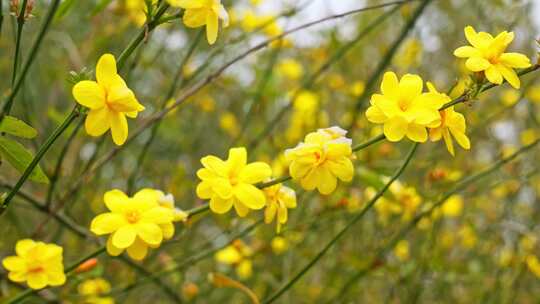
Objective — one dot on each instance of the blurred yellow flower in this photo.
(203, 12)
(36, 263)
(404, 109)
(357, 88)
(278, 199)
(510, 97)
(528, 136)
(94, 291)
(468, 236)
(487, 55)
(453, 206)
(109, 100)
(401, 250)
(279, 245)
(231, 183)
(290, 69)
(321, 159)
(533, 264)
(237, 254)
(134, 223)
(229, 123)
(452, 124)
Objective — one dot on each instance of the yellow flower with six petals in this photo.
(203, 12)
(321, 159)
(404, 109)
(37, 263)
(134, 223)
(109, 100)
(231, 183)
(487, 55)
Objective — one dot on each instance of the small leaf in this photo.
(20, 158)
(16, 127)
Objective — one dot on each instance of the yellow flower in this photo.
(321, 159)
(291, 69)
(401, 251)
(231, 183)
(237, 254)
(404, 109)
(452, 124)
(453, 206)
(136, 10)
(487, 55)
(533, 264)
(278, 199)
(203, 12)
(37, 263)
(109, 100)
(134, 224)
(279, 245)
(93, 291)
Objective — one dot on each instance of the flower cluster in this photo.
(238, 254)
(95, 291)
(278, 200)
(321, 159)
(36, 263)
(135, 223)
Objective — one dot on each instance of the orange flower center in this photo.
(36, 269)
(133, 217)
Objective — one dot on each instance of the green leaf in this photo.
(16, 127)
(63, 9)
(20, 158)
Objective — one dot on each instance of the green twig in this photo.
(6, 108)
(40, 153)
(18, 37)
(349, 225)
(460, 186)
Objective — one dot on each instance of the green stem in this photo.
(351, 223)
(460, 186)
(39, 155)
(465, 97)
(6, 108)
(150, 26)
(385, 62)
(20, 24)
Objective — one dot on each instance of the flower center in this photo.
(132, 217)
(233, 179)
(36, 269)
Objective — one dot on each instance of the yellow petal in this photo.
(204, 190)
(97, 122)
(477, 64)
(187, 4)
(510, 75)
(158, 215)
(327, 183)
(493, 75)
(395, 129)
(237, 157)
(111, 249)
(138, 250)
(215, 164)
(14, 263)
(37, 280)
(195, 17)
(106, 72)
(124, 237)
(56, 278)
(23, 246)
(116, 200)
(515, 60)
(212, 27)
(410, 85)
(390, 84)
(219, 205)
(342, 168)
(466, 51)
(375, 115)
(255, 172)
(241, 209)
(250, 196)
(417, 133)
(150, 233)
(107, 223)
(119, 128)
(89, 94)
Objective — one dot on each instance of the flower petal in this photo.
(107, 223)
(477, 64)
(138, 250)
(515, 60)
(255, 172)
(219, 205)
(119, 128)
(150, 233)
(106, 70)
(124, 237)
(97, 122)
(89, 94)
(250, 196)
(395, 128)
(116, 200)
(417, 133)
(212, 27)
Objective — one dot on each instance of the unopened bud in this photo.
(87, 265)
